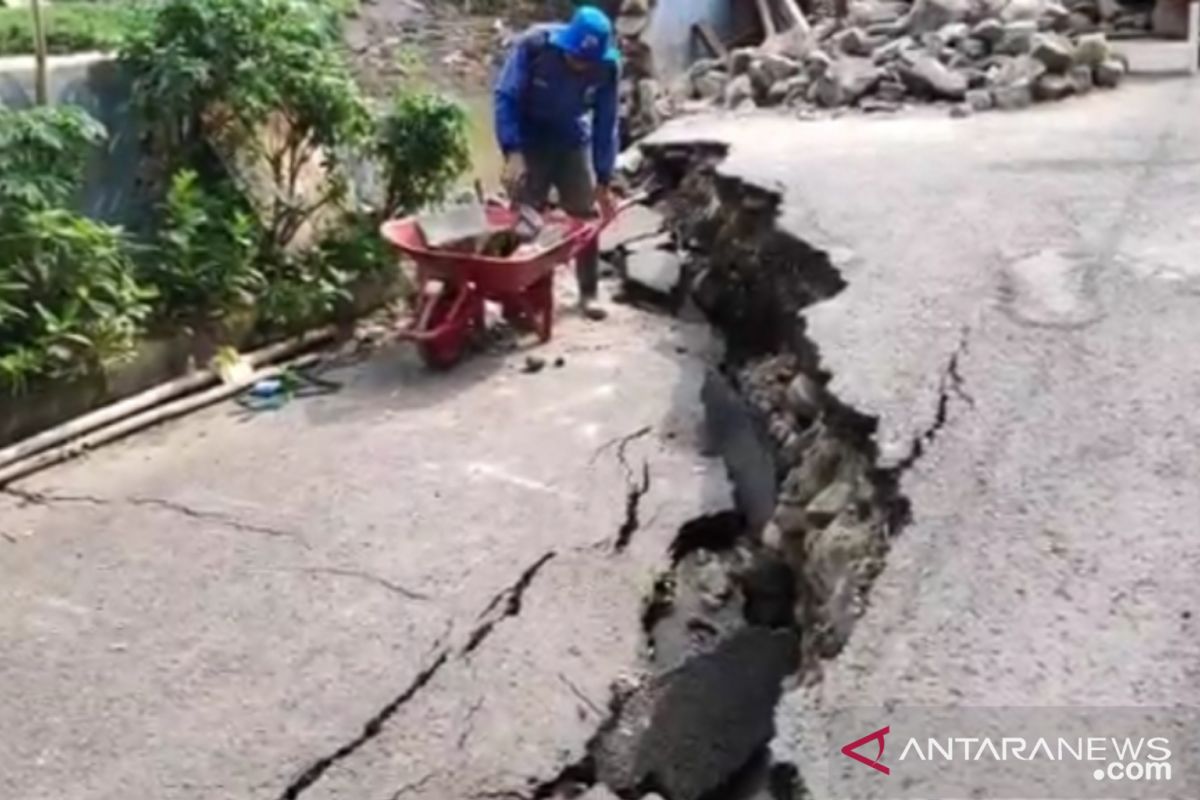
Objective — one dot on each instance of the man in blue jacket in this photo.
(556, 119)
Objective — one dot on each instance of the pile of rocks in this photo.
(977, 54)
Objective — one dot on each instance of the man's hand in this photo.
(608, 205)
(513, 175)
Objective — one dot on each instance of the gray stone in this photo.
(817, 470)
(1013, 98)
(1055, 17)
(878, 105)
(829, 502)
(704, 65)
(990, 30)
(954, 32)
(1023, 10)
(786, 91)
(1092, 49)
(1081, 76)
(1017, 39)
(930, 15)
(817, 63)
(854, 42)
(855, 77)
(804, 397)
(1019, 71)
(760, 78)
(599, 792)
(973, 48)
(961, 111)
(976, 78)
(979, 99)
(737, 90)
(709, 85)
(875, 12)
(933, 43)
(926, 76)
(1079, 23)
(892, 50)
(1054, 50)
(778, 67)
(891, 91)
(686, 730)
(1053, 86)
(1109, 73)
(741, 59)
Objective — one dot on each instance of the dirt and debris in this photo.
(881, 55)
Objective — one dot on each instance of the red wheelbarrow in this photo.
(453, 286)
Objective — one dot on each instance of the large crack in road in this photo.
(761, 594)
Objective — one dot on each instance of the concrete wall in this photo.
(93, 81)
(670, 31)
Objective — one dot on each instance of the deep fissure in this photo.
(775, 585)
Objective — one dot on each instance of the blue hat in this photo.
(588, 36)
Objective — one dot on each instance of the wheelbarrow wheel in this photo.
(456, 317)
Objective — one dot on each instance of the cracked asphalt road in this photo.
(1025, 285)
(422, 586)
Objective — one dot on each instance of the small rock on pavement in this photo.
(961, 110)
(655, 268)
(1109, 73)
(1012, 98)
(924, 74)
(688, 729)
(1054, 50)
(979, 99)
(533, 364)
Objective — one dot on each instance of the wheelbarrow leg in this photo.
(542, 300)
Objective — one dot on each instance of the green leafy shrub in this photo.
(261, 82)
(43, 153)
(69, 298)
(204, 262)
(421, 143)
(70, 27)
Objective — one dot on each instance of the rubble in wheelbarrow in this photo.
(882, 54)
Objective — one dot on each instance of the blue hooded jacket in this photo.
(541, 102)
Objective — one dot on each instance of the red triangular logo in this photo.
(849, 749)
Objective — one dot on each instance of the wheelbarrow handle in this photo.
(592, 229)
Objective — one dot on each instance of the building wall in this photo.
(670, 31)
(93, 81)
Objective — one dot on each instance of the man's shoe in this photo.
(591, 311)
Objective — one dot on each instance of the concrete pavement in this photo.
(1033, 275)
(410, 587)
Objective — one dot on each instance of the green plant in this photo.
(421, 143)
(43, 152)
(71, 27)
(263, 84)
(69, 299)
(204, 261)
